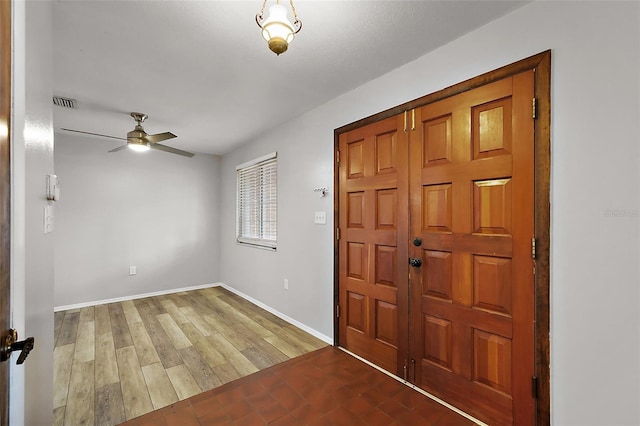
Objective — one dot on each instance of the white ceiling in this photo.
(201, 69)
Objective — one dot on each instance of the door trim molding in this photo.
(5, 194)
(541, 65)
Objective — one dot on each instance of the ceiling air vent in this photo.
(65, 102)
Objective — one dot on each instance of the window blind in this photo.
(257, 197)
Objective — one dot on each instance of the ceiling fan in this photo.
(139, 140)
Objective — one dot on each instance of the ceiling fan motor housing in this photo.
(137, 133)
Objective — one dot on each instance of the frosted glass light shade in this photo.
(277, 30)
(138, 147)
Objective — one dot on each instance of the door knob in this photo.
(416, 262)
(417, 241)
(9, 343)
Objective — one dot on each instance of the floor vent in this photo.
(65, 102)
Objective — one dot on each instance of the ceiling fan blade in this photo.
(120, 148)
(171, 150)
(94, 134)
(159, 137)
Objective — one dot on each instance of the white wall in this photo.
(305, 250)
(595, 301)
(154, 210)
(32, 251)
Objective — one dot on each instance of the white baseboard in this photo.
(280, 315)
(136, 296)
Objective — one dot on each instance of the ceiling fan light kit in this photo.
(277, 29)
(138, 146)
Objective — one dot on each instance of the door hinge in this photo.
(534, 387)
(533, 248)
(337, 311)
(337, 233)
(533, 108)
(338, 158)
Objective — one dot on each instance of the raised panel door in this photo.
(471, 203)
(373, 282)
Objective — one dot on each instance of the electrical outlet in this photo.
(286, 284)
(132, 270)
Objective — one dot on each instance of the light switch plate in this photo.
(48, 219)
(321, 218)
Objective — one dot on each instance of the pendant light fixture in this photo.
(277, 30)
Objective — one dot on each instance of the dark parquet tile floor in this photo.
(324, 387)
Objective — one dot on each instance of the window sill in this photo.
(258, 246)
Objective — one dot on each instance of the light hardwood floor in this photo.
(118, 361)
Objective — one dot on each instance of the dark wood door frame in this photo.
(541, 64)
(5, 195)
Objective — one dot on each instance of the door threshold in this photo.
(416, 388)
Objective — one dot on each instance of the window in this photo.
(257, 202)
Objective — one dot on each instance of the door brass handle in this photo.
(10, 344)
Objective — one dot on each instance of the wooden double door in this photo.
(436, 220)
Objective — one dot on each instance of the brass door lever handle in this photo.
(10, 344)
